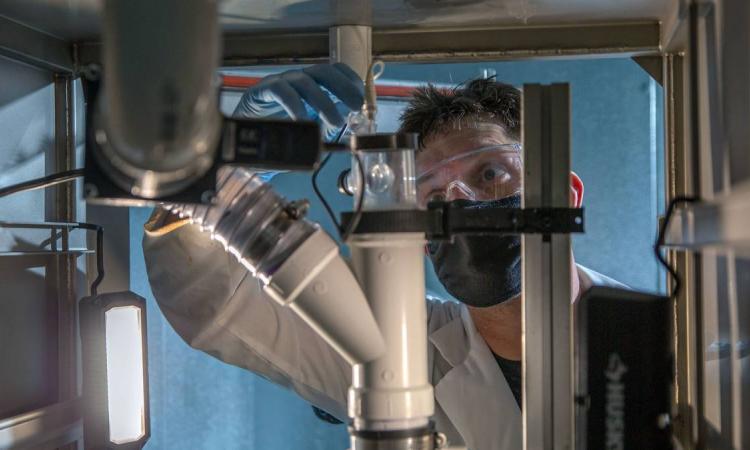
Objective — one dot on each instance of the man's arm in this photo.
(216, 306)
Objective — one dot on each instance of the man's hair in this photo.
(434, 110)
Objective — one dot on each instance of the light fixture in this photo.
(115, 371)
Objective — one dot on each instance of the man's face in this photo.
(478, 163)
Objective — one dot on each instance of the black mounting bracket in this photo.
(442, 220)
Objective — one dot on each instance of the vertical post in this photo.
(351, 45)
(60, 207)
(547, 354)
(60, 199)
(681, 180)
(676, 183)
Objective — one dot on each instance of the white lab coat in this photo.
(216, 306)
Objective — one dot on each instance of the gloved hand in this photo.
(287, 94)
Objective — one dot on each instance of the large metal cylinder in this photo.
(158, 120)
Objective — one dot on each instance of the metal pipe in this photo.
(352, 45)
(158, 119)
(61, 207)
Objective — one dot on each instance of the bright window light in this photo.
(125, 390)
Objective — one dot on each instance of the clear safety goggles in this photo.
(492, 172)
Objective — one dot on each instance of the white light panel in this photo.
(125, 384)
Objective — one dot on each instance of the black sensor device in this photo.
(624, 367)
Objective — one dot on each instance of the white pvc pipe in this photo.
(318, 286)
(393, 391)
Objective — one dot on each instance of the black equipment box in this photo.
(624, 370)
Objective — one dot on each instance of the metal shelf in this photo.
(59, 243)
(49, 427)
(722, 223)
(72, 251)
(26, 260)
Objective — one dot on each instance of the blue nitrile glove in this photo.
(324, 92)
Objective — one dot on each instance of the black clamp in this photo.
(441, 221)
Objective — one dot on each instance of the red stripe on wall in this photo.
(383, 90)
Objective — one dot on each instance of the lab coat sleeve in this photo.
(218, 307)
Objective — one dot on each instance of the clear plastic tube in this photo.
(250, 220)
(390, 181)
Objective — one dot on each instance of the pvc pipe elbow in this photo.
(319, 286)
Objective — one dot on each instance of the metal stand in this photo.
(547, 353)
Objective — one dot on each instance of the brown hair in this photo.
(434, 110)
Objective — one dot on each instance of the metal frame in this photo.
(437, 44)
(548, 407)
(721, 223)
(53, 426)
(59, 424)
(60, 207)
(717, 226)
(24, 44)
(680, 182)
(27, 45)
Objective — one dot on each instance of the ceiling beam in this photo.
(440, 44)
(27, 45)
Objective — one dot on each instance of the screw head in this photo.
(386, 375)
(90, 190)
(208, 196)
(385, 258)
(320, 288)
(663, 421)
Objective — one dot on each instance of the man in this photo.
(469, 153)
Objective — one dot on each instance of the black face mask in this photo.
(480, 270)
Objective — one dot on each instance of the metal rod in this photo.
(47, 427)
(43, 182)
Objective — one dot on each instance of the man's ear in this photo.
(576, 190)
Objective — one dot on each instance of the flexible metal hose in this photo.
(253, 223)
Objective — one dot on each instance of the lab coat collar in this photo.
(474, 393)
(451, 340)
